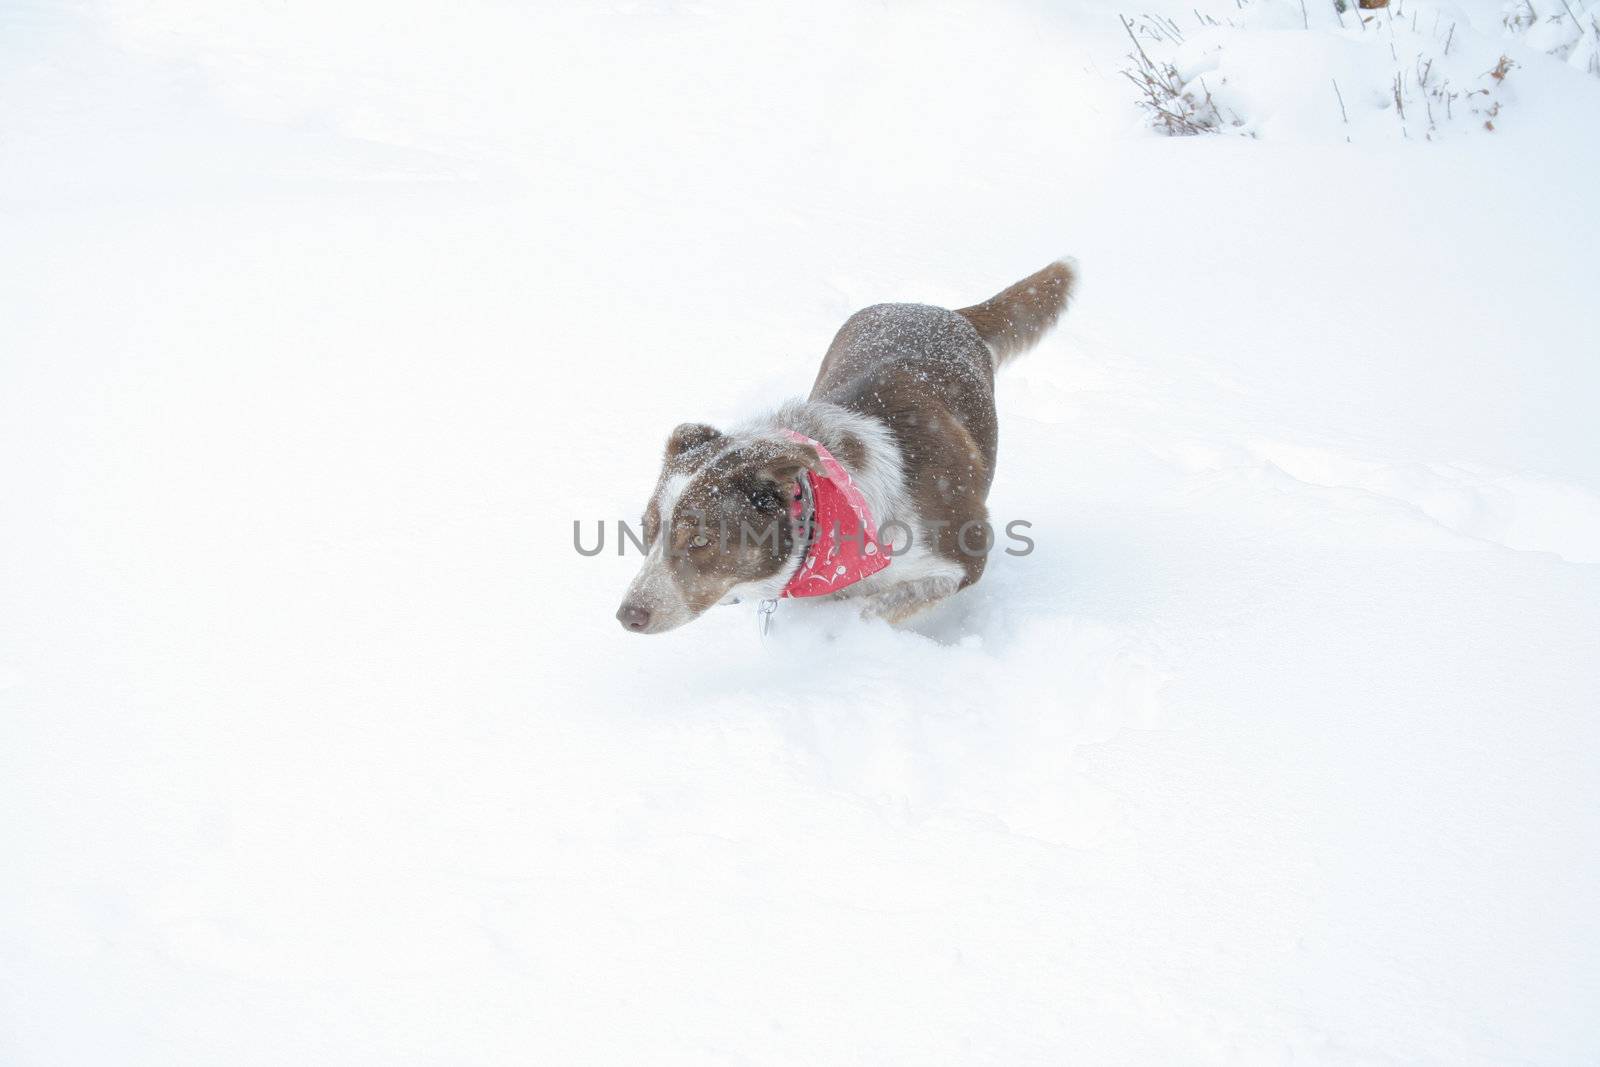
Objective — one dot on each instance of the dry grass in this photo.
(1172, 108)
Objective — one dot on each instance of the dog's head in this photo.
(717, 526)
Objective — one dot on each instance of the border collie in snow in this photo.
(872, 488)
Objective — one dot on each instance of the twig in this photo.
(1162, 88)
(1342, 113)
(1146, 59)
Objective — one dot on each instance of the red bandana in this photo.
(844, 547)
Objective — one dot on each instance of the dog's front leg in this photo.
(900, 602)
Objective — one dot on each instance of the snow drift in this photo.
(318, 741)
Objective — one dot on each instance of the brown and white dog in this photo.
(905, 402)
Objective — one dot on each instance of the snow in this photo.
(319, 742)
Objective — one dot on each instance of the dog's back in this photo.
(928, 374)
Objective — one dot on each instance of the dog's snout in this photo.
(633, 617)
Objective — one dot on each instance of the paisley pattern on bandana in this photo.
(845, 548)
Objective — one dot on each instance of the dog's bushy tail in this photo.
(1014, 319)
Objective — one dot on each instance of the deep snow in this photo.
(318, 741)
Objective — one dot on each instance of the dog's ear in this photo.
(795, 457)
(690, 435)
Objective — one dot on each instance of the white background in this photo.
(321, 323)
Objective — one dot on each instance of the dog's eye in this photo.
(765, 500)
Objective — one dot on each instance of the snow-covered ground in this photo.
(322, 323)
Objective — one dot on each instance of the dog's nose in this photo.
(633, 617)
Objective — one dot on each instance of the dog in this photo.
(899, 431)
